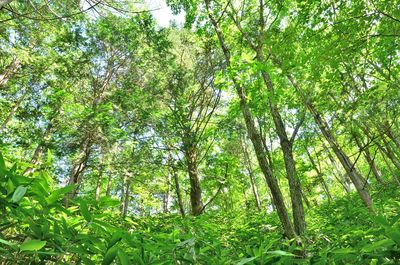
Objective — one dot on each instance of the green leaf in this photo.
(110, 255)
(18, 194)
(380, 219)
(123, 258)
(85, 211)
(114, 239)
(32, 245)
(279, 253)
(58, 194)
(8, 243)
(107, 201)
(378, 244)
(245, 260)
(3, 168)
(343, 251)
(2, 163)
(87, 261)
(394, 234)
(10, 186)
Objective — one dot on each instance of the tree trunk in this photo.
(369, 159)
(392, 171)
(287, 149)
(385, 150)
(251, 176)
(320, 176)
(178, 191)
(13, 111)
(123, 186)
(388, 150)
(35, 159)
(342, 178)
(305, 199)
(354, 175)
(15, 63)
(389, 132)
(126, 197)
(78, 168)
(195, 189)
(108, 190)
(167, 194)
(98, 184)
(39, 149)
(256, 139)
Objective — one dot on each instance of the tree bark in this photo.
(251, 175)
(78, 168)
(108, 190)
(126, 197)
(388, 150)
(305, 199)
(392, 171)
(341, 178)
(356, 178)
(15, 63)
(285, 143)
(389, 132)
(167, 194)
(98, 183)
(287, 149)
(40, 148)
(256, 138)
(178, 191)
(320, 176)
(195, 189)
(369, 159)
(13, 111)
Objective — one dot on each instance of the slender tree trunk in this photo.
(39, 149)
(108, 190)
(287, 149)
(305, 199)
(385, 150)
(369, 159)
(251, 176)
(126, 197)
(246, 202)
(255, 191)
(356, 178)
(13, 111)
(15, 63)
(259, 150)
(389, 155)
(78, 168)
(178, 191)
(392, 171)
(388, 150)
(195, 189)
(35, 159)
(341, 177)
(167, 194)
(389, 132)
(256, 139)
(123, 186)
(286, 144)
(320, 176)
(98, 184)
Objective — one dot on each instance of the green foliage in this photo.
(110, 124)
(38, 227)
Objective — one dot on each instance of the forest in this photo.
(251, 132)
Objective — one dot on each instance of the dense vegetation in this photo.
(259, 132)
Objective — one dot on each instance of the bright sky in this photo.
(163, 14)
